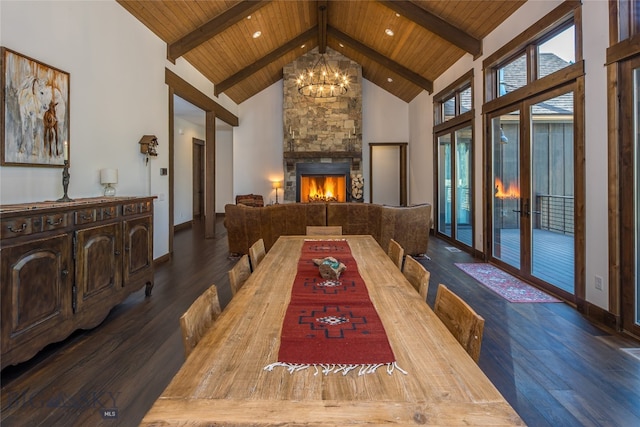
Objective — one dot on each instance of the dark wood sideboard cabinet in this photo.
(66, 265)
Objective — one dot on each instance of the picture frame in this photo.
(34, 112)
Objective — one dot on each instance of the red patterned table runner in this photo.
(332, 325)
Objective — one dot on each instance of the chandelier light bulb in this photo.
(319, 77)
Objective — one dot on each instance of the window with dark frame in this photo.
(548, 53)
(453, 138)
(519, 80)
(628, 18)
(454, 101)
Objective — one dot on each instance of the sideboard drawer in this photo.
(20, 227)
(85, 216)
(145, 207)
(130, 208)
(55, 221)
(110, 212)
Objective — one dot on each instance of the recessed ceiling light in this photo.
(249, 17)
(389, 32)
(341, 45)
(303, 46)
(397, 15)
(257, 34)
(389, 79)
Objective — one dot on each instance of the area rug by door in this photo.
(504, 284)
(332, 325)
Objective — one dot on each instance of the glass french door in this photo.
(532, 190)
(455, 215)
(630, 185)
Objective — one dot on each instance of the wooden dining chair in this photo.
(256, 253)
(417, 275)
(198, 318)
(396, 253)
(239, 274)
(461, 320)
(324, 230)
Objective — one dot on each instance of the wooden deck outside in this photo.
(553, 254)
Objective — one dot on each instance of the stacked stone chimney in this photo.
(321, 130)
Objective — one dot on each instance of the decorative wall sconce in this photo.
(108, 177)
(148, 146)
(276, 185)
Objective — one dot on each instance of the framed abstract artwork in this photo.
(34, 119)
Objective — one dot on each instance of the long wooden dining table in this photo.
(223, 381)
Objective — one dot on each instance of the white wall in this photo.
(224, 166)
(257, 144)
(420, 151)
(596, 41)
(184, 132)
(385, 118)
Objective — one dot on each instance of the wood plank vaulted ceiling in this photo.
(216, 37)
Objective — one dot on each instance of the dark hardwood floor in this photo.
(551, 364)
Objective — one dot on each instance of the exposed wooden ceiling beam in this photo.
(436, 25)
(399, 69)
(212, 28)
(264, 61)
(197, 98)
(322, 26)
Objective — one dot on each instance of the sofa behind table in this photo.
(409, 226)
(245, 224)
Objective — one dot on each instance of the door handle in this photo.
(519, 210)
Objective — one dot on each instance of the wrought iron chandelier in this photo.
(321, 81)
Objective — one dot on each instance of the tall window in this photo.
(454, 153)
(534, 177)
(623, 60)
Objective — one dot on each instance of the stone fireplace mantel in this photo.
(290, 157)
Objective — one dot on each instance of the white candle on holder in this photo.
(65, 150)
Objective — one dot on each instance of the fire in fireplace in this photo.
(323, 188)
(322, 182)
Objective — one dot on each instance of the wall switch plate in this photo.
(163, 171)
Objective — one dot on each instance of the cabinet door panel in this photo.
(36, 293)
(98, 263)
(138, 247)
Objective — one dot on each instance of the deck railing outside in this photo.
(555, 213)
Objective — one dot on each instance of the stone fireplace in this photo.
(322, 144)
